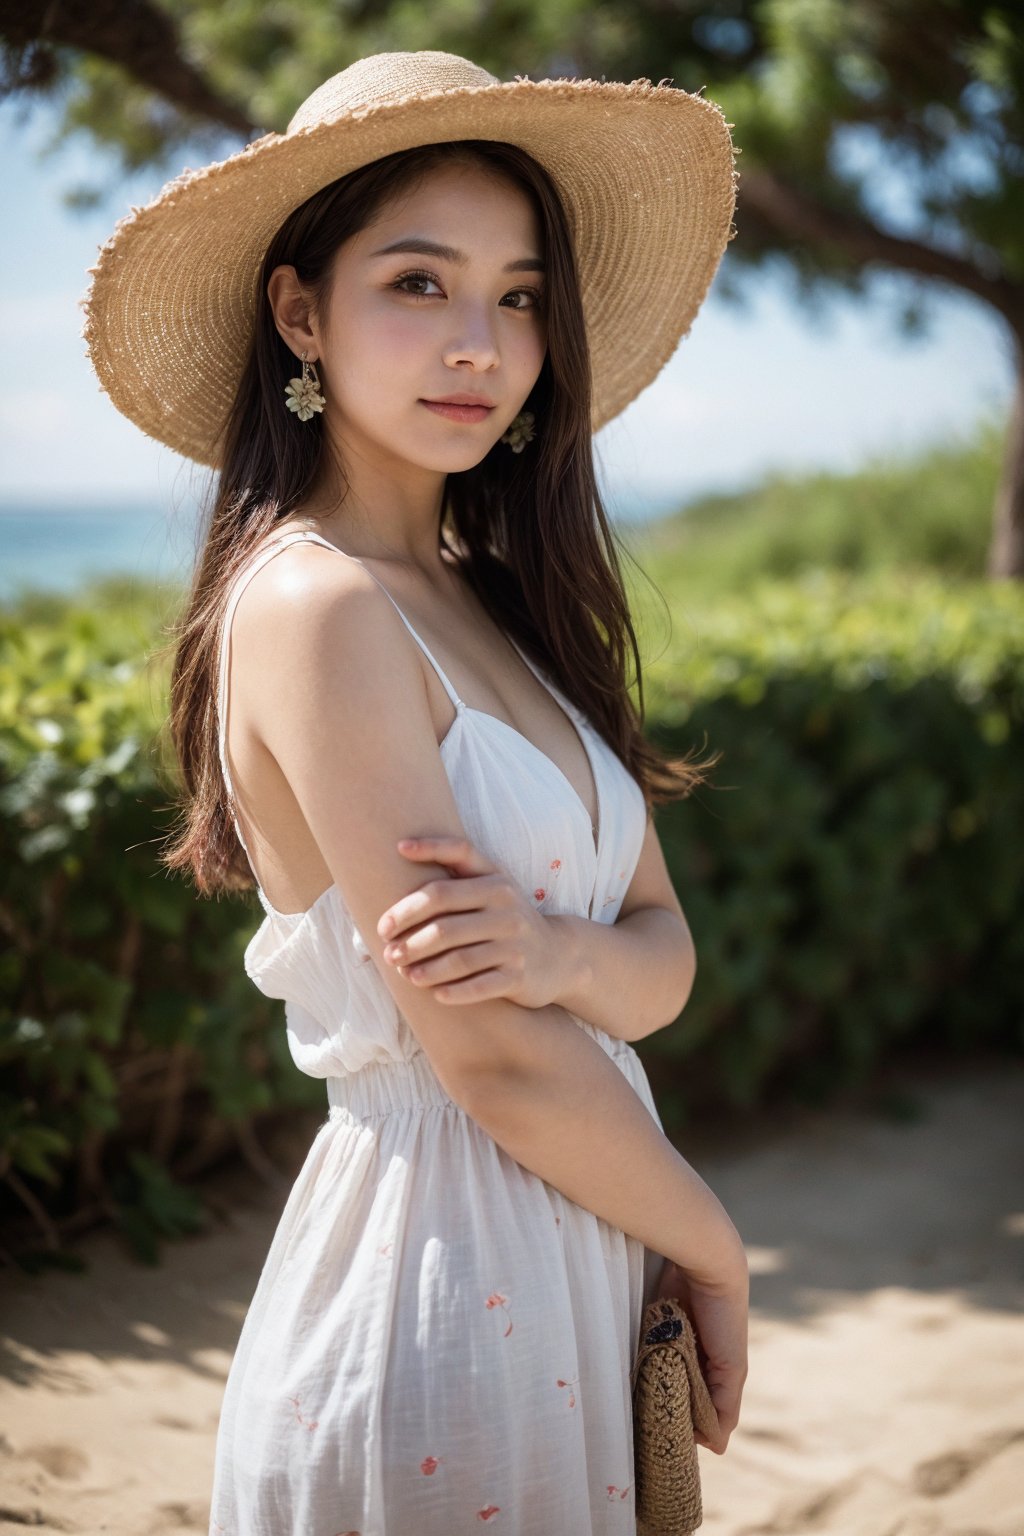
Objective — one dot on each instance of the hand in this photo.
(719, 1319)
(473, 937)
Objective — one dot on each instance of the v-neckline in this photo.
(582, 730)
(595, 835)
(463, 709)
(596, 842)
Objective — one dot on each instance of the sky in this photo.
(754, 389)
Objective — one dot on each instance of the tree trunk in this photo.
(1006, 551)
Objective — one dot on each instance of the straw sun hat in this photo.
(645, 172)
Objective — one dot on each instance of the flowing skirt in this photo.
(439, 1339)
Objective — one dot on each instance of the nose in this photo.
(474, 341)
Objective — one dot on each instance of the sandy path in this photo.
(886, 1388)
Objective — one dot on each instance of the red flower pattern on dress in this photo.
(430, 1464)
(496, 1299)
(306, 1423)
(609, 899)
(541, 894)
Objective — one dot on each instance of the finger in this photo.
(718, 1446)
(445, 932)
(457, 853)
(433, 898)
(458, 965)
(474, 989)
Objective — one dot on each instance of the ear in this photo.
(293, 313)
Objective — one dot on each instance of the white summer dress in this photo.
(439, 1340)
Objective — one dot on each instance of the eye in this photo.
(414, 277)
(428, 277)
(533, 293)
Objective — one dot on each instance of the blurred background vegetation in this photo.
(852, 876)
(853, 644)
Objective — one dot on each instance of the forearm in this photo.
(566, 1111)
(628, 978)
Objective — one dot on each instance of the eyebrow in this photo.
(419, 247)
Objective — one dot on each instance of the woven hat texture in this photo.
(646, 174)
(670, 1400)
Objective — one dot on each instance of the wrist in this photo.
(571, 968)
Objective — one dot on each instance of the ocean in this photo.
(55, 547)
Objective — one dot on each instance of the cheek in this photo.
(370, 355)
(525, 346)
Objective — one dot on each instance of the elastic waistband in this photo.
(381, 1087)
(384, 1087)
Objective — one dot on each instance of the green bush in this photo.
(928, 512)
(130, 1037)
(852, 875)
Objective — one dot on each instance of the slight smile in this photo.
(459, 412)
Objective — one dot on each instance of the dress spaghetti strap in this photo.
(241, 582)
(424, 647)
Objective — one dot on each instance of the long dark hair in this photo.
(529, 528)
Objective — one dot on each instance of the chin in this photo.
(452, 462)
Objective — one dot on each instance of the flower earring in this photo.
(520, 432)
(303, 395)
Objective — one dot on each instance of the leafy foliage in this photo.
(821, 92)
(852, 876)
(127, 1023)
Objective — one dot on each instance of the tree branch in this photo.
(796, 213)
(135, 35)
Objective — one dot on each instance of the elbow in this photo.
(684, 983)
(468, 1086)
(689, 976)
(486, 1057)
(492, 1099)
(478, 1071)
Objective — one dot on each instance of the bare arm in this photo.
(635, 975)
(347, 718)
(566, 1112)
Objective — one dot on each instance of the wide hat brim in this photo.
(646, 174)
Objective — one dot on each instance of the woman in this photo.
(399, 702)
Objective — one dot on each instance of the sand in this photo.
(886, 1386)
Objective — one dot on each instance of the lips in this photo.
(458, 412)
(461, 397)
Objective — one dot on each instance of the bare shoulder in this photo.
(343, 709)
(315, 617)
(303, 579)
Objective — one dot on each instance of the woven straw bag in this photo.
(670, 1400)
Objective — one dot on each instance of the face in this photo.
(408, 326)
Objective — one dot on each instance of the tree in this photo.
(817, 91)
